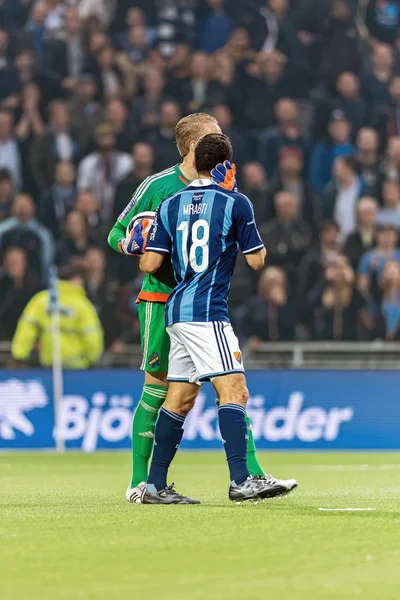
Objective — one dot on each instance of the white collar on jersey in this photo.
(201, 183)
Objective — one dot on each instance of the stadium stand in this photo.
(307, 90)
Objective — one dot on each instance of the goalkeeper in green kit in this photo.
(152, 298)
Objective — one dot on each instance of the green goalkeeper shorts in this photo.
(154, 337)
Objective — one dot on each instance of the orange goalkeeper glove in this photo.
(224, 175)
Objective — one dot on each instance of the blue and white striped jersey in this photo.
(201, 228)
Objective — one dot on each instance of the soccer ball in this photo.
(147, 219)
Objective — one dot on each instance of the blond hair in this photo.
(269, 274)
(190, 129)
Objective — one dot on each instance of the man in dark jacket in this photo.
(272, 314)
(86, 112)
(59, 142)
(363, 239)
(65, 54)
(386, 119)
(341, 48)
(256, 90)
(143, 161)
(367, 154)
(17, 285)
(383, 20)
(286, 134)
(56, 201)
(223, 115)
(23, 230)
(287, 237)
(9, 80)
(290, 169)
(255, 186)
(311, 269)
(325, 153)
(271, 29)
(376, 77)
(163, 138)
(348, 100)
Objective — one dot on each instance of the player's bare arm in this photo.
(256, 260)
(150, 262)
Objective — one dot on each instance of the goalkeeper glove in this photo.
(224, 175)
(136, 241)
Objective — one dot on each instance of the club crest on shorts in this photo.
(154, 360)
(238, 356)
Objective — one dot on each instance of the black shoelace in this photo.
(267, 477)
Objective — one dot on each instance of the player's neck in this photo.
(203, 175)
(187, 169)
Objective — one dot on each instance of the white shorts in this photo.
(202, 351)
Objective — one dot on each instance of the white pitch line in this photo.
(346, 509)
(364, 467)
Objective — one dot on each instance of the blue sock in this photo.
(233, 430)
(167, 436)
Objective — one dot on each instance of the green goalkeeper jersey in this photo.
(148, 196)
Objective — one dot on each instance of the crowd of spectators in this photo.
(307, 90)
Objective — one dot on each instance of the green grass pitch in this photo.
(66, 531)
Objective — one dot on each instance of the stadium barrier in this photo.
(289, 410)
(272, 355)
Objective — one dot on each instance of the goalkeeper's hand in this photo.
(136, 241)
(224, 175)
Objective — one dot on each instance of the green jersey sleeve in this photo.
(145, 198)
(148, 197)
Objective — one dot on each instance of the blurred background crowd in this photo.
(307, 90)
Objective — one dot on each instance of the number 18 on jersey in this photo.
(201, 228)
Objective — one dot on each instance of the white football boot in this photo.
(286, 486)
(134, 495)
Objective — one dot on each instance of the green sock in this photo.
(252, 463)
(251, 455)
(143, 426)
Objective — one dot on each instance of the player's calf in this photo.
(231, 389)
(168, 433)
(233, 395)
(181, 397)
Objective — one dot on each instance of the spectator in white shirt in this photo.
(341, 195)
(102, 170)
(102, 9)
(10, 158)
(54, 20)
(389, 214)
